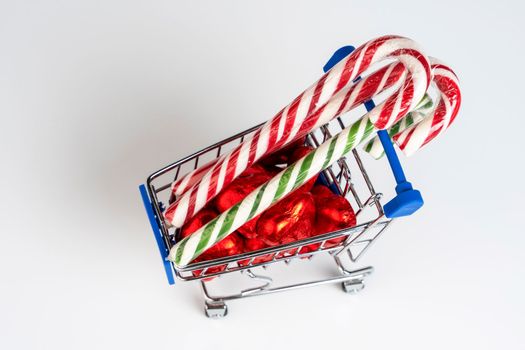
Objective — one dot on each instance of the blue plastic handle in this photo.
(408, 200)
(158, 235)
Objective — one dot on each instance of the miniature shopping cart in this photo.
(347, 177)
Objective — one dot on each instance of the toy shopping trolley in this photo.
(334, 160)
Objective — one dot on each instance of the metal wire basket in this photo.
(347, 177)
(342, 177)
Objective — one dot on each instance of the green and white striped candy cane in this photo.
(374, 146)
(295, 175)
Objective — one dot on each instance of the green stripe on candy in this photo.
(226, 225)
(283, 182)
(206, 235)
(368, 146)
(228, 221)
(352, 140)
(303, 171)
(425, 103)
(330, 152)
(422, 107)
(257, 201)
(391, 132)
(180, 250)
(395, 128)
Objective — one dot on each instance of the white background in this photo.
(95, 95)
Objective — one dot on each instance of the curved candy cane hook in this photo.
(423, 125)
(320, 103)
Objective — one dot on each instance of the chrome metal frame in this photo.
(357, 239)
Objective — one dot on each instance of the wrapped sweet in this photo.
(333, 213)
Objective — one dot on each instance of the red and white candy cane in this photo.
(356, 94)
(317, 105)
(180, 186)
(424, 124)
(418, 135)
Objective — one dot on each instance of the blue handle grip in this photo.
(158, 235)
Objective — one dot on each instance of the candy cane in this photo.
(314, 107)
(181, 185)
(422, 126)
(374, 146)
(418, 135)
(356, 94)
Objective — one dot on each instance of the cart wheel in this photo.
(353, 287)
(215, 309)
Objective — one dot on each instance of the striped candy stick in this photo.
(198, 206)
(424, 124)
(418, 135)
(311, 109)
(374, 146)
(341, 102)
(345, 100)
(272, 191)
(181, 185)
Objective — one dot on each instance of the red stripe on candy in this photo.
(191, 207)
(407, 139)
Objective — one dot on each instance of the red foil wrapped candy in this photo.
(334, 212)
(289, 220)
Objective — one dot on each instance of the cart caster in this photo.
(353, 287)
(215, 309)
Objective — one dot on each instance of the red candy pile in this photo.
(311, 210)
